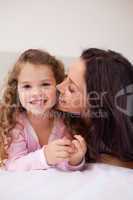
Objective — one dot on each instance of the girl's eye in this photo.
(46, 84)
(26, 86)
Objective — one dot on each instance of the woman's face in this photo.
(72, 90)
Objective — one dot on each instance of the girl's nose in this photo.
(36, 91)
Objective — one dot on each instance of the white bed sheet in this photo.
(98, 182)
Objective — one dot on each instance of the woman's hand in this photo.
(58, 150)
(79, 152)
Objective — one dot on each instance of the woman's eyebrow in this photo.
(74, 83)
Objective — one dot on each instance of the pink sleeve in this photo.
(65, 166)
(20, 159)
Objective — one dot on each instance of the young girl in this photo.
(31, 138)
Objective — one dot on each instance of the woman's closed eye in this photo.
(71, 89)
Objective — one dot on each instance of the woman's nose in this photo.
(61, 87)
(58, 87)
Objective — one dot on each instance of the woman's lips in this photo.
(61, 100)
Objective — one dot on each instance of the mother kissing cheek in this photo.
(94, 94)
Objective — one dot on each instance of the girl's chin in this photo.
(37, 111)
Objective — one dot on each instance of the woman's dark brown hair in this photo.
(109, 80)
(108, 125)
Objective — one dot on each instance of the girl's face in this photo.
(37, 88)
(72, 90)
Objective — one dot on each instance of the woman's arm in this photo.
(112, 160)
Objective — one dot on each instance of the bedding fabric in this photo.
(97, 182)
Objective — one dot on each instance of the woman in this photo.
(99, 90)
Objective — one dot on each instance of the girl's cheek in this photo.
(24, 98)
(51, 93)
(52, 98)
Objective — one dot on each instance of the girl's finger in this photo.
(81, 140)
(77, 145)
(65, 148)
(62, 154)
(61, 159)
(63, 141)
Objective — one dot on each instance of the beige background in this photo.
(64, 28)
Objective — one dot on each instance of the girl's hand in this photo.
(80, 150)
(58, 150)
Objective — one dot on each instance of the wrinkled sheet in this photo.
(97, 182)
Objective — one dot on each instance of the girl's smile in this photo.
(37, 88)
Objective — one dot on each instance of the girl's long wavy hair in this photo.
(109, 77)
(10, 105)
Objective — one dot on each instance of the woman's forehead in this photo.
(76, 73)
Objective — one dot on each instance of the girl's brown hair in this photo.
(10, 106)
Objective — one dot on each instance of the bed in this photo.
(97, 182)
